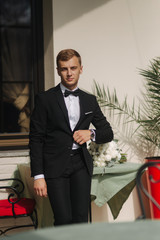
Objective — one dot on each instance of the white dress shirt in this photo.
(73, 108)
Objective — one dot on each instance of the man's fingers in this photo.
(78, 137)
(41, 192)
(81, 136)
(40, 187)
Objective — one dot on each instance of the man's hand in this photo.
(82, 136)
(40, 187)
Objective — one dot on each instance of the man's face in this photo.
(69, 71)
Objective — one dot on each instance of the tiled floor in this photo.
(5, 223)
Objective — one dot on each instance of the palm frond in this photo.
(141, 121)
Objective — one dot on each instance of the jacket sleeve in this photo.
(103, 130)
(37, 135)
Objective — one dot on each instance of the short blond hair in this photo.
(66, 55)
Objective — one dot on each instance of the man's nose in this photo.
(69, 72)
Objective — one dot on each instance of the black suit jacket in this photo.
(51, 137)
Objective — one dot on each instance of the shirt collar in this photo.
(63, 88)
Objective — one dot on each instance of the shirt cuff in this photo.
(38, 176)
(93, 139)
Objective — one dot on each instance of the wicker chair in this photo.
(16, 206)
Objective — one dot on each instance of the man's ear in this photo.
(58, 71)
(81, 69)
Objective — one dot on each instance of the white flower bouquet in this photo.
(106, 154)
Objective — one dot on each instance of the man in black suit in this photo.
(60, 162)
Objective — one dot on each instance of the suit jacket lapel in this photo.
(82, 113)
(61, 103)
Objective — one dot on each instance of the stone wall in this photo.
(8, 164)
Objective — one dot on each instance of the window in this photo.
(21, 68)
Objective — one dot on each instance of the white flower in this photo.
(114, 153)
(108, 157)
(99, 164)
(102, 154)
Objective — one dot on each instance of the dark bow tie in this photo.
(75, 93)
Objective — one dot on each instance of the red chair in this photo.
(15, 206)
(151, 190)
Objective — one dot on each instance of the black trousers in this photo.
(69, 194)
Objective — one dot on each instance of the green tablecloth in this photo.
(139, 230)
(113, 185)
(110, 185)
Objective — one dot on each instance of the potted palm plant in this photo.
(140, 124)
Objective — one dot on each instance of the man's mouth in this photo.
(69, 79)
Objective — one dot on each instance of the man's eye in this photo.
(63, 69)
(73, 68)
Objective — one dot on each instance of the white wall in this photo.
(8, 165)
(115, 38)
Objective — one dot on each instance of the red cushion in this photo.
(24, 206)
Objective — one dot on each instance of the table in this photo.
(111, 185)
(139, 230)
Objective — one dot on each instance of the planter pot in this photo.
(154, 188)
